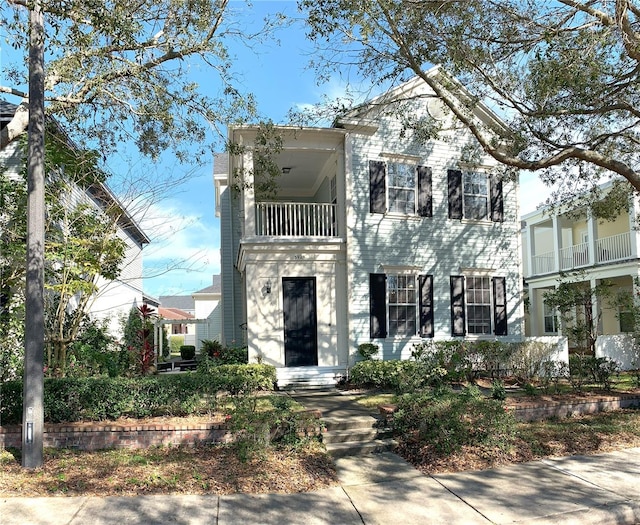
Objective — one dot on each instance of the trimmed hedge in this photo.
(103, 398)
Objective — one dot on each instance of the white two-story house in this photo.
(374, 235)
(588, 251)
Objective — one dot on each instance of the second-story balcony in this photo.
(605, 250)
(296, 219)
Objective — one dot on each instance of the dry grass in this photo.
(198, 470)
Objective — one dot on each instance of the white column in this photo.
(634, 229)
(249, 194)
(557, 241)
(591, 245)
(531, 248)
(534, 308)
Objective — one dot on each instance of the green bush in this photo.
(401, 376)
(449, 421)
(175, 342)
(367, 350)
(187, 352)
(223, 355)
(104, 398)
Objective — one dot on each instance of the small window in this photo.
(402, 301)
(402, 188)
(476, 196)
(550, 320)
(478, 299)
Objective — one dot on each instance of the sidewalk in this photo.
(384, 489)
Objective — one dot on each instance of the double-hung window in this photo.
(399, 187)
(402, 295)
(401, 305)
(474, 196)
(550, 319)
(478, 305)
(401, 179)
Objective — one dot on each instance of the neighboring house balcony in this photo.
(296, 219)
(563, 243)
(606, 250)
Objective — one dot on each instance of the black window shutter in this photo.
(377, 187)
(458, 325)
(500, 305)
(377, 305)
(426, 305)
(497, 206)
(454, 179)
(425, 208)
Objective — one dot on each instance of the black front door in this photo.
(300, 333)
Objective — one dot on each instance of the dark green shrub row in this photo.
(448, 421)
(101, 398)
(402, 376)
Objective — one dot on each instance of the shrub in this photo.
(401, 376)
(449, 421)
(101, 398)
(187, 352)
(367, 350)
(498, 390)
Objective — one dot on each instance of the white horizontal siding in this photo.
(436, 245)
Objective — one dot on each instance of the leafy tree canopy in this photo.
(124, 71)
(563, 74)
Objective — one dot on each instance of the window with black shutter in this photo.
(474, 196)
(400, 187)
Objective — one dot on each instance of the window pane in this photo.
(478, 305)
(402, 187)
(402, 305)
(476, 196)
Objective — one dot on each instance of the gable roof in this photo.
(181, 302)
(416, 87)
(174, 314)
(215, 288)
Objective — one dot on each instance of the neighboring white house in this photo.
(599, 250)
(374, 236)
(114, 299)
(202, 308)
(207, 306)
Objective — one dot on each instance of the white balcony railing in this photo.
(296, 219)
(614, 248)
(574, 256)
(544, 263)
(607, 249)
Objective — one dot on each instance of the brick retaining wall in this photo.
(536, 411)
(96, 436)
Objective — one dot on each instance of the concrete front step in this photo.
(349, 422)
(339, 450)
(344, 436)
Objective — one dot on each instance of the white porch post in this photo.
(534, 318)
(591, 245)
(557, 242)
(249, 194)
(634, 227)
(531, 250)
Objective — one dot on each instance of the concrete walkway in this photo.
(384, 489)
